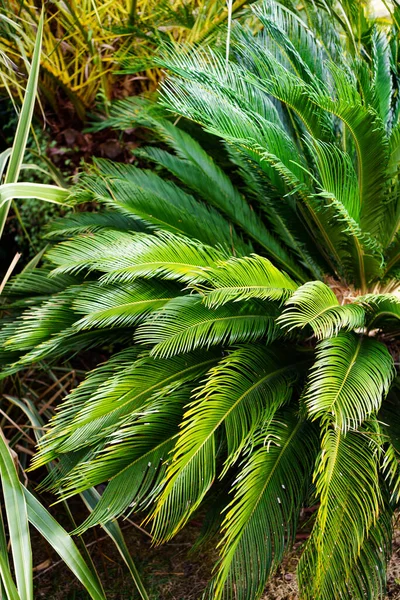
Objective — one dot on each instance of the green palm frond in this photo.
(160, 203)
(383, 310)
(125, 384)
(134, 460)
(244, 390)
(338, 176)
(347, 484)
(260, 522)
(315, 305)
(289, 33)
(282, 216)
(382, 76)
(242, 279)
(351, 376)
(371, 145)
(111, 306)
(184, 324)
(124, 256)
(38, 283)
(40, 323)
(90, 222)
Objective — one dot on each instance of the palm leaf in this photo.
(314, 304)
(163, 204)
(345, 532)
(85, 222)
(243, 391)
(242, 279)
(260, 522)
(134, 460)
(372, 151)
(351, 376)
(185, 323)
(124, 256)
(122, 386)
(113, 306)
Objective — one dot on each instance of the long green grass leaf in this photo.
(17, 518)
(63, 544)
(47, 193)
(91, 498)
(24, 122)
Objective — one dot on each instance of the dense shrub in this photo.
(252, 311)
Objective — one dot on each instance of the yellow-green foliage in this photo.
(83, 41)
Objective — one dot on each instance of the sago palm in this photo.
(250, 302)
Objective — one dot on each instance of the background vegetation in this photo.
(85, 43)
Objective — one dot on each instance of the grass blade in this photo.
(10, 591)
(63, 544)
(24, 122)
(91, 498)
(4, 156)
(17, 518)
(41, 191)
(7, 590)
(36, 420)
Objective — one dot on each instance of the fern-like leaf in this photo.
(185, 323)
(314, 304)
(244, 390)
(349, 380)
(260, 522)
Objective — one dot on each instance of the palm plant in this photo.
(251, 304)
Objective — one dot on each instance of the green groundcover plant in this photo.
(248, 289)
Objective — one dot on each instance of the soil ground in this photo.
(169, 572)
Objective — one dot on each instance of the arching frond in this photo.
(198, 171)
(382, 76)
(114, 306)
(120, 387)
(350, 378)
(160, 203)
(345, 533)
(185, 323)
(267, 73)
(68, 342)
(372, 151)
(85, 222)
(383, 310)
(314, 304)
(41, 322)
(282, 216)
(134, 460)
(296, 40)
(337, 174)
(260, 522)
(242, 392)
(124, 256)
(38, 283)
(242, 279)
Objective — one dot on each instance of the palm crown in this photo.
(253, 308)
